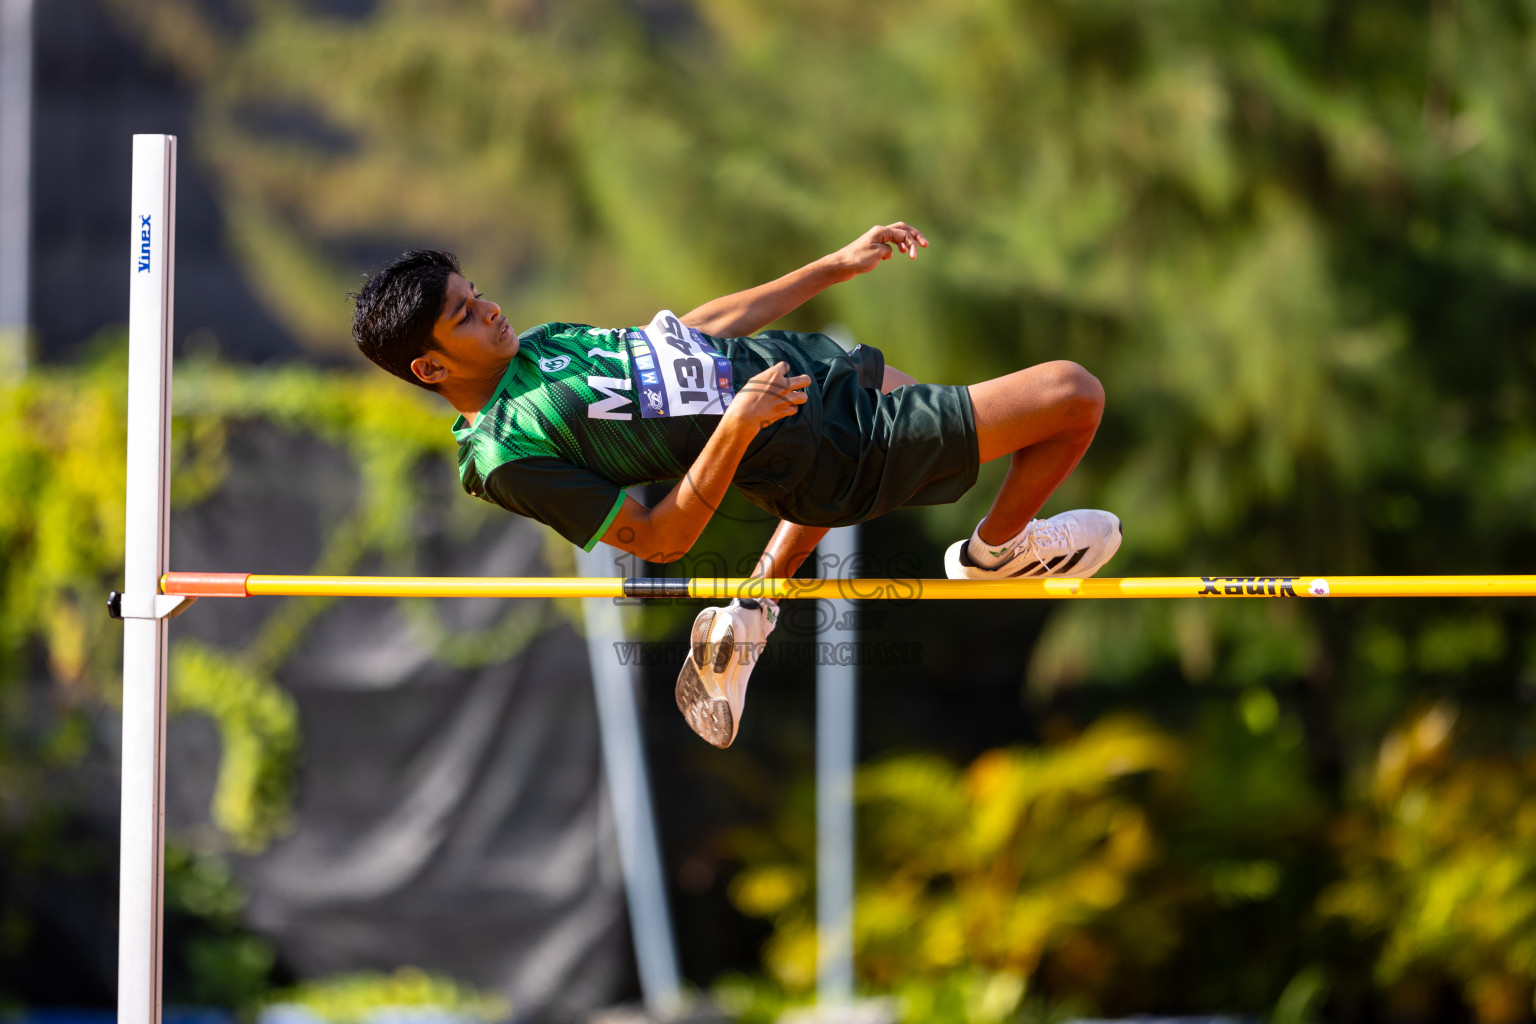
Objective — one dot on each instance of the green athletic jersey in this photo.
(563, 435)
(564, 416)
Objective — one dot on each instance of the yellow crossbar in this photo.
(253, 585)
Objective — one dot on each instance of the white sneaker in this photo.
(1073, 545)
(724, 645)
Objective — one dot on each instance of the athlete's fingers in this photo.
(912, 238)
(789, 395)
(904, 236)
(900, 230)
(776, 382)
(913, 233)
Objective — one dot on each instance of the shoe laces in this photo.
(1045, 536)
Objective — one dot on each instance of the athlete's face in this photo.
(474, 340)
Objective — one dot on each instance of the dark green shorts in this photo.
(861, 454)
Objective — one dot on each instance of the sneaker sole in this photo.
(714, 655)
(708, 716)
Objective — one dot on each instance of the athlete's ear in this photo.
(428, 370)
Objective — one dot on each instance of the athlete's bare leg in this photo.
(789, 547)
(894, 379)
(1044, 418)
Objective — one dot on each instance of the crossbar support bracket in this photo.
(147, 606)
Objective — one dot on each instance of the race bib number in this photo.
(677, 371)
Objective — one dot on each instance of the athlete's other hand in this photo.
(866, 252)
(768, 397)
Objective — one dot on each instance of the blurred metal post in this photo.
(15, 180)
(629, 789)
(152, 289)
(837, 700)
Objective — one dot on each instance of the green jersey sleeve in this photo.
(577, 503)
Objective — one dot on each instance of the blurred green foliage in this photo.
(1441, 865)
(970, 996)
(1090, 868)
(1020, 855)
(1296, 241)
(1083, 869)
(354, 998)
(223, 964)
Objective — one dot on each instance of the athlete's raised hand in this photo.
(768, 397)
(747, 312)
(866, 252)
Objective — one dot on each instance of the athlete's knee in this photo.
(1075, 392)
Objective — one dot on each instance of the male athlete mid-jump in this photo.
(555, 423)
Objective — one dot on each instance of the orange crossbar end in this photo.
(205, 584)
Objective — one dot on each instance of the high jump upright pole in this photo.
(150, 300)
(837, 710)
(629, 793)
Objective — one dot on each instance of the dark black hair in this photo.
(396, 308)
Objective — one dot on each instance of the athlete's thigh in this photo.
(1034, 405)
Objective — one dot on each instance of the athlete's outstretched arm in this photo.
(743, 313)
(666, 532)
